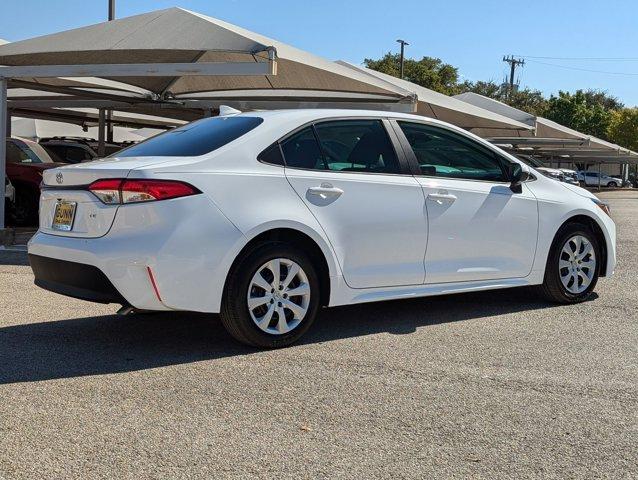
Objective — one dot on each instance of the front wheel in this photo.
(271, 297)
(572, 266)
(612, 185)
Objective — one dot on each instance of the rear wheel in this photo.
(271, 297)
(572, 266)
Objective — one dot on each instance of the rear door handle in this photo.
(442, 198)
(326, 190)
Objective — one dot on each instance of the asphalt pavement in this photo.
(492, 385)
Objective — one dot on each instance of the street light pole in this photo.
(403, 44)
(111, 10)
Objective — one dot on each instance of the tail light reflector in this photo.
(122, 191)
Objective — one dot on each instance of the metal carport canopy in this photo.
(154, 57)
(436, 105)
(545, 129)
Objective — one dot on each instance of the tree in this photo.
(623, 128)
(428, 72)
(602, 98)
(579, 111)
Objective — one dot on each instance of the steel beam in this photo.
(101, 133)
(3, 147)
(141, 70)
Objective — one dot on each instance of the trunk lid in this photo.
(91, 217)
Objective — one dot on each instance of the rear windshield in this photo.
(197, 138)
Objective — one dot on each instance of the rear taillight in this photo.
(119, 191)
(108, 191)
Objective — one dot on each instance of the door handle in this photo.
(326, 190)
(442, 197)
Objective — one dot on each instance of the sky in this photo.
(567, 44)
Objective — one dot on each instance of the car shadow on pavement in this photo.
(112, 344)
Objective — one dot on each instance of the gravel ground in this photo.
(491, 385)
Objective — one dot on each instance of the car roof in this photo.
(309, 114)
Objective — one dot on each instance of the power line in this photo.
(596, 59)
(567, 67)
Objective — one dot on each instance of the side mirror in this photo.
(516, 177)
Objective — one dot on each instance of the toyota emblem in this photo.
(59, 177)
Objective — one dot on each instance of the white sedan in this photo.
(265, 217)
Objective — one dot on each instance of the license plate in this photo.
(63, 216)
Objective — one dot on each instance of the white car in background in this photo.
(570, 176)
(265, 217)
(590, 179)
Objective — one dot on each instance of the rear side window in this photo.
(342, 146)
(272, 155)
(357, 146)
(441, 153)
(301, 150)
(197, 138)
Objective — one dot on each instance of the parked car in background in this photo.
(552, 173)
(77, 149)
(590, 179)
(26, 160)
(570, 176)
(265, 217)
(69, 150)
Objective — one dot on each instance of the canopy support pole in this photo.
(100, 133)
(109, 126)
(3, 147)
(599, 173)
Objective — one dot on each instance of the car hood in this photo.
(578, 190)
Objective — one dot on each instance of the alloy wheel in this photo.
(278, 296)
(577, 264)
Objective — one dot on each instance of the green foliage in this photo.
(623, 128)
(579, 111)
(428, 72)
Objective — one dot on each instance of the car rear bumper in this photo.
(73, 279)
(165, 255)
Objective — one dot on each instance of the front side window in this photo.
(196, 138)
(442, 153)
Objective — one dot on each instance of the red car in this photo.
(25, 162)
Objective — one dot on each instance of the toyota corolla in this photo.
(266, 217)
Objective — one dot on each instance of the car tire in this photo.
(261, 326)
(570, 276)
(612, 185)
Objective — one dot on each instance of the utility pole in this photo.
(514, 62)
(111, 10)
(403, 44)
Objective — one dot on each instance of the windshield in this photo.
(194, 139)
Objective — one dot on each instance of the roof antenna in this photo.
(225, 110)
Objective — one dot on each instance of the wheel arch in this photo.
(319, 251)
(597, 230)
